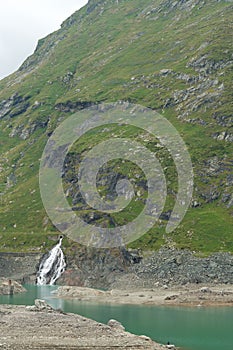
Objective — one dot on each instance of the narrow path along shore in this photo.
(183, 295)
(41, 327)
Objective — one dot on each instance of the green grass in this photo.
(118, 55)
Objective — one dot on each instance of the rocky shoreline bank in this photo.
(41, 327)
(187, 296)
(126, 269)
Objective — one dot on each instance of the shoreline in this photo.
(41, 327)
(189, 296)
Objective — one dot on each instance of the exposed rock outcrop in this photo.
(13, 106)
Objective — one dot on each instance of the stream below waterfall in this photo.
(190, 328)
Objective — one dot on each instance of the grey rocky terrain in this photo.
(128, 269)
(122, 269)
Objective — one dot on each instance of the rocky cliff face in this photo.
(97, 268)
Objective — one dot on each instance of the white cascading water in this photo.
(52, 266)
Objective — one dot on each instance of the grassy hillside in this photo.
(172, 56)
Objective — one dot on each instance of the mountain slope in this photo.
(172, 56)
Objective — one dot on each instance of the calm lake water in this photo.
(190, 328)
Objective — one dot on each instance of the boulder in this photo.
(116, 325)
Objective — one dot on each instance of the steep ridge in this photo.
(172, 56)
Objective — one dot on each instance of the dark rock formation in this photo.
(13, 106)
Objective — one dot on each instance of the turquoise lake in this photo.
(190, 328)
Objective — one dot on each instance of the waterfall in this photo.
(52, 265)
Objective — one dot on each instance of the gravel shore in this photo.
(41, 327)
(183, 295)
